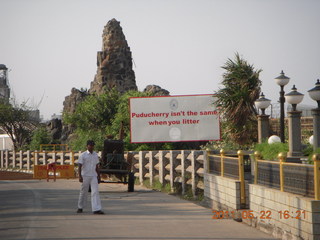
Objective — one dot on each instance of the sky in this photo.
(50, 46)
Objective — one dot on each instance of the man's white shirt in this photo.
(89, 162)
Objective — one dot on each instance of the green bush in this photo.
(101, 115)
(308, 150)
(317, 151)
(39, 136)
(79, 139)
(271, 151)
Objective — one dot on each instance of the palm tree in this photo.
(236, 101)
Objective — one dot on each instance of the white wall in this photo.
(5, 142)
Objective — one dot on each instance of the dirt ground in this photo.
(14, 175)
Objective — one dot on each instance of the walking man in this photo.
(89, 176)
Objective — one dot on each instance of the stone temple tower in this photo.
(4, 86)
(114, 62)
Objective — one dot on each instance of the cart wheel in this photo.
(131, 182)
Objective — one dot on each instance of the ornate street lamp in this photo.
(282, 80)
(262, 103)
(314, 93)
(294, 122)
(294, 98)
(263, 119)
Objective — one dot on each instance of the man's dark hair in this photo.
(90, 142)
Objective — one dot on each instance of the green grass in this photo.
(177, 189)
(271, 151)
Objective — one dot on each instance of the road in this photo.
(36, 209)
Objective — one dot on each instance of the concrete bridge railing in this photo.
(182, 169)
(25, 160)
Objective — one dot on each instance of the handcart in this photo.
(115, 166)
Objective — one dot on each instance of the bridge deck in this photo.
(35, 209)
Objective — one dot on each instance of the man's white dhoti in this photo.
(95, 198)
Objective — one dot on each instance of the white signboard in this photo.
(174, 118)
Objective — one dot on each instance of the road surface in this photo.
(36, 209)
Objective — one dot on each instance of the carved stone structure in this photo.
(69, 106)
(71, 102)
(114, 62)
(54, 127)
(156, 90)
(114, 70)
(4, 87)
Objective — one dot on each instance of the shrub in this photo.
(271, 151)
(39, 136)
(310, 154)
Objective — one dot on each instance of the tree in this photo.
(91, 118)
(101, 115)
(18, 123)
(95, 112)
(236, 101)
(39, 136)
(122, 118)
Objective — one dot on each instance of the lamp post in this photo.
(294, 122)
(314, 93)
(263, 119)
(282, 80)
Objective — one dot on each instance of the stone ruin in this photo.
(71, 102)
(4, 86)
(114, 62)
(156, 90)
(114, 67)
(114, 70)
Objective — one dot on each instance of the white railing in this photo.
(181, 169)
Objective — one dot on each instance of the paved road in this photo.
(33, 209)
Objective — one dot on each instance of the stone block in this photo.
(314, 217)
(254, 207)
(315, 206)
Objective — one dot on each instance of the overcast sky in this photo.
(50, 46)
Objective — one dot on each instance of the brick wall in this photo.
(306, 126)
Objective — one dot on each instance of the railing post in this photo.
(208, 162)
(257, 155)
(45, 158)
(205, 160)
(316, 159)
(2, 158)
(72, 158)
(7, 159)
(193, 174)
(63, 158)
(36, 158)
(14, 159)
(21, 159)
(28, 160)
(171, 171)
(54, 157)
(183, 171)
(151, 167)
(141, 167)
(241, 179)
(282, 158)
(161, 168)
(222, 153)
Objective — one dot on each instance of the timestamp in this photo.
(250, 214)
(286, 214)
